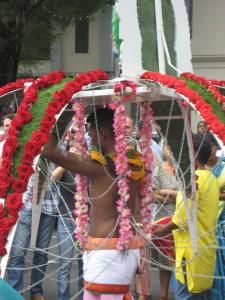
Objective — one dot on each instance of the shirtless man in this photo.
(106, 271)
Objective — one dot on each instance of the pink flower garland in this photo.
(81, 204)
(124, 90)
(122, 170)
(146, 150)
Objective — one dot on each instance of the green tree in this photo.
(17, 17)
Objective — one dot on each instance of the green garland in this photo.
(209, 98)
(37, 111)
(147, 25)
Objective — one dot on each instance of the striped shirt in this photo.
(50, 201)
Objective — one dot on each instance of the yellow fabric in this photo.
(134, 159)
(207, 211)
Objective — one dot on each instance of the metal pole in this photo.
(159, 30)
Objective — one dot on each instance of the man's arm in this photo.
(70, 161)
(222, 196)
(164, 230)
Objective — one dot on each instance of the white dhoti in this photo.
(110, 271)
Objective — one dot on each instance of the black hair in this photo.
(201, 122)
(104, 118)
(210, 137)
(202, 148)
(9, 116)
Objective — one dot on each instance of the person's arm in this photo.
(164, 230)
(165, 195)
(172, 194)
(70, 161)
(158, 197)
(57, 173)
(222, 196)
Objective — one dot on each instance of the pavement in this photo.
(50, 282)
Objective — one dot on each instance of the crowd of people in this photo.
(105, 272)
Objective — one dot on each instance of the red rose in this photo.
(26, 116)
(3, 189)
(17, 122)
(51, 109)
(32, 148)
(24, 106)
(1, 210)
(14, 202)
(101, 74)
(6, 164)
(20, 186)
(6, 224)
(46, 126)
(24, 170)
(76, 86)
(7, 153)
(92, 76)
(31, 94)
(39, 137)
(62, 96)
(12, 131)
(47, 123)
(11, 143)
(27, 158)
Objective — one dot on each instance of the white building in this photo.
(89, 46)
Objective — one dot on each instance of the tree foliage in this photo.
(22, 19)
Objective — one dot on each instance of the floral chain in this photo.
(81, 201)
(146, 150)
(122, 169)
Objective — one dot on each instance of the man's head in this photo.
(202, 149)
(214, 144)
(202, 127)
(6, 121)
(129, 126)
(100, 127)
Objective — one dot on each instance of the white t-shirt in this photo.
(1, 147)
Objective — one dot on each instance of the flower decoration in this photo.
(79, 147)
(146, 150)
(122, 170)
(14, 187)
(207, 84)
(180, 86)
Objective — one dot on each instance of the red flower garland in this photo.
(218, 82)
(22, 117)
(9, 213)
(11, 86)
(207, 84)
(180, 87)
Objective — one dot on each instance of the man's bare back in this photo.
(103, 213)
(103, 184)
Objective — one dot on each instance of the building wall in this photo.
(208, 42)
(80, 62)
(63, 54)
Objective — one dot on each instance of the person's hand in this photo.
(168, 194)
(159, 230)
(49, 146)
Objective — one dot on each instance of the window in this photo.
(82, 36)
